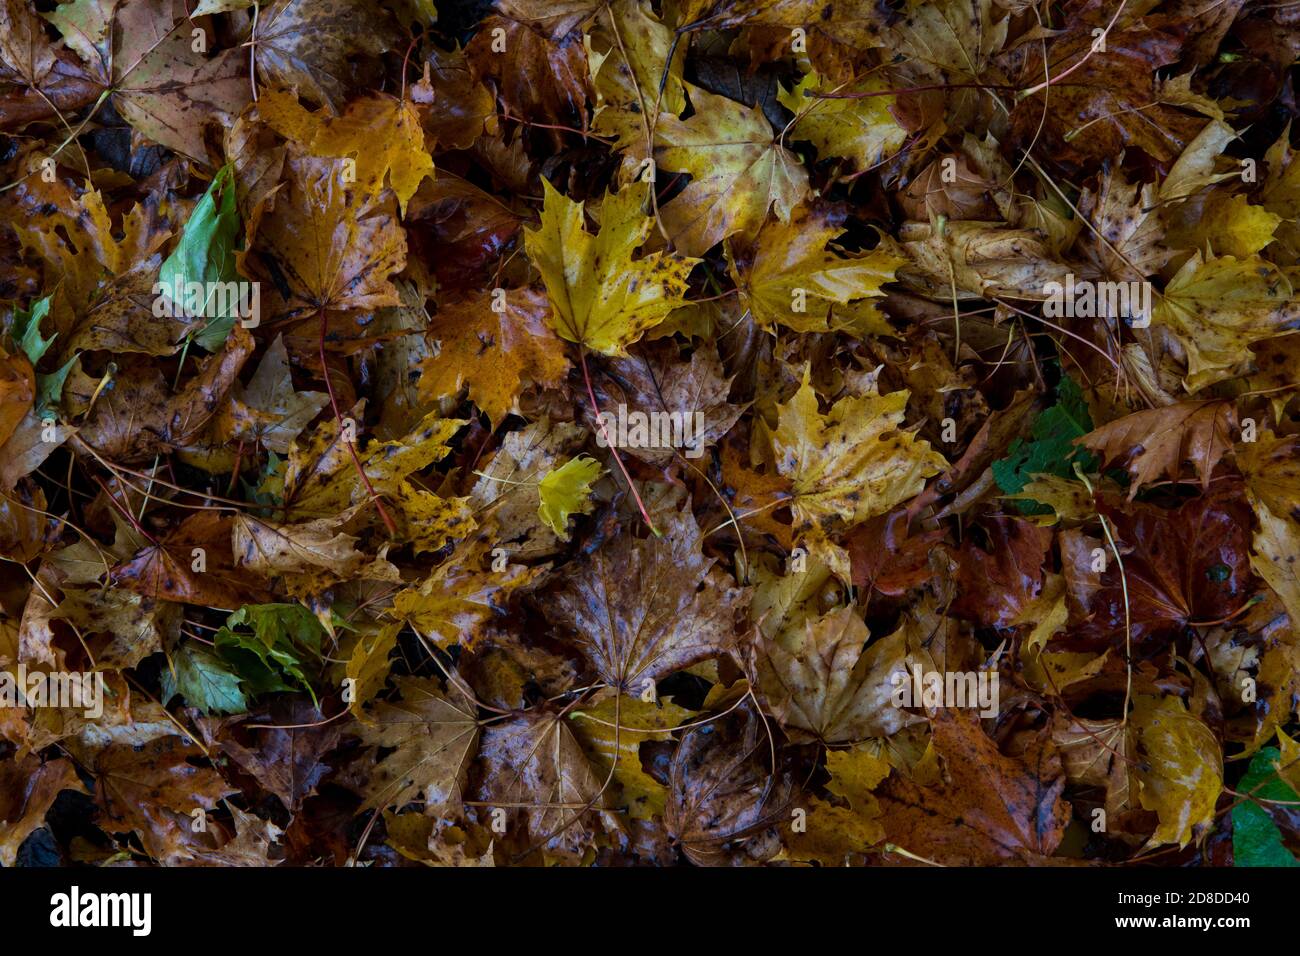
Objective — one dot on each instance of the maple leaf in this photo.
(453, 107)
(619, 745)
(565, 491)
(836, 831)
(658, 382)
(1272, 482)
(165, 569)
(432, 740)
(633, 47)
(997, 584)
(988, 809)
(105, 274)
(1128, 242)
(955, 37)
(328, 247)
(540, 76)
(495, 345)
(1220, 306)
(739, 170)
(509, 484)
(862, 130)
(976, 260)
(150, 67)
(322, 481)
(275, 549)
(29, 789)
(1157, 441)
(134, 626)
(308, 43)
(152, 790)
(1222, 222)
(825, 685)
(601, 298)
(1180, 771)
(853, 463)
(462, 594)
(1180, 566)
(140, 416)
(268, 409)
(885, 557)
(1092, 115)
(755, 496)
(789, 278)
(641, 609)
(381, 133)
(724, 797)
(467, 229)
(535, 769)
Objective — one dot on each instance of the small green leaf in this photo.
(204, 681)
(26, 331)
(1256, 839)
(1051, 451)
(26, 334)
(565, 491)
(206, 254)
(282, 653)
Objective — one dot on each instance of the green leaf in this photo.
(204, 681)
(1051, 450)
(49, 386)
(290, 624)
(26, 334)
(281, 653)
(26, 331)
(565, 491)
(1256, 839)
(206, 253)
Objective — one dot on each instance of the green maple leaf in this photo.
(1051, 450)
(204, 680)
(26, 334)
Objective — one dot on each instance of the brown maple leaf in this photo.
(996, 584)
(1158, 441)
(1181, 566)
(496, 343)
(641, 609)
(987, 809)
(153, 790)
(725, 798)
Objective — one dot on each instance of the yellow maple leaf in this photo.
(566, 491)
(1218, 307)
(861, 130)
(1181, 775)
(1228, 224)
(788, 277)
(853, 463)
(601, 298)
(738, 171)
(381, 132)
